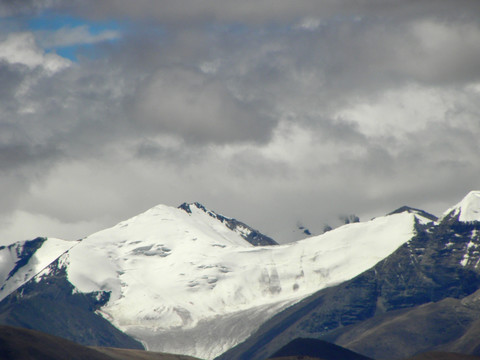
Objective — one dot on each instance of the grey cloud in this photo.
(14, 156)
(79, 109)
(339, 131)
(171, 149)
(20, 163)
(10, 77)
(22, 7)
(330, 67)
(189, 106)
(199, 108)
(192, 12)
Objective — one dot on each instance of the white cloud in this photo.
(310, 23)
(443, 50)
(23, 225)
(210, 67)
(21, 48)
(405, 111)
(397, 112)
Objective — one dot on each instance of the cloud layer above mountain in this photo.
(270, 111)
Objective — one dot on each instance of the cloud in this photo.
(22, 7)
(198, 108)
(451, 51)
(42, 225)
(273, 114)
(193, 13)
(70, 36)
(21, 48)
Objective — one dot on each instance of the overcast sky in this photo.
(275, 112)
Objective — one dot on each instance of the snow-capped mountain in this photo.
(176, 278)
(466, 210)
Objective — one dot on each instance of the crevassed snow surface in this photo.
(468, 209)
(185, 283)
(50, 250)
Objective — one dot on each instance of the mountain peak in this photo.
(251, 235)
(468, 209)
(414, 211)
(188, 207)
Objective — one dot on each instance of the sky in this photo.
(278, 113)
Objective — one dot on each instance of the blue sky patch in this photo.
(52, 22)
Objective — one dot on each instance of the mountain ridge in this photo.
(414, 211)
(440, 261)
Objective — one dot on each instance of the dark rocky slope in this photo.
(317, 349)
(437, 355)
(450, 325)
(24, 344)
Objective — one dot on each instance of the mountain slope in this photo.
(23, 344)
(440, 261)
(438, 355)
(317, 349)
(176, 279)
(449, 325)
(20, 262)
(50, 303)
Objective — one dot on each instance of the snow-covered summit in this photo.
(253, 236)
(468, 209)
(421, 213)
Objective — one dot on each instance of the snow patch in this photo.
(468, 252)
